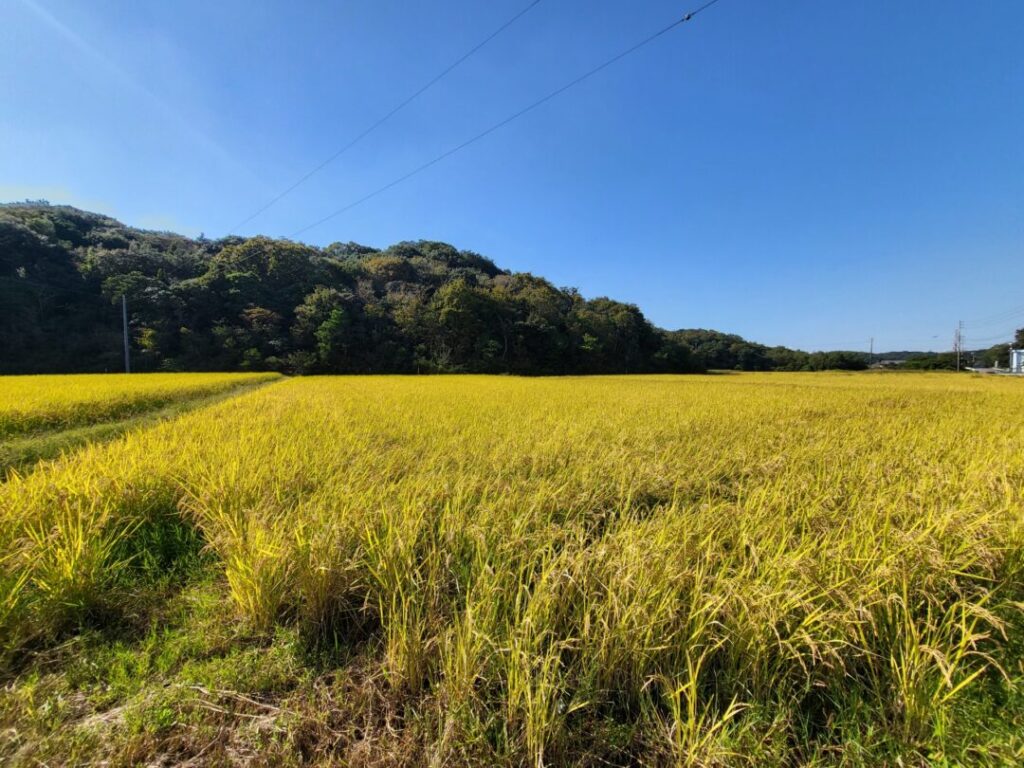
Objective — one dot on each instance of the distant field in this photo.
(739, 569)
(40, 416)
(32, 404)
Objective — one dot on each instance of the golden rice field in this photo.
(47, 402)
(744, 569)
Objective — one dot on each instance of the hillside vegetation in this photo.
(750, 569)
(262, 304)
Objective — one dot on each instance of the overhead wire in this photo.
(996, 318)
(1006, 337)
(380, 121)
(511, 118)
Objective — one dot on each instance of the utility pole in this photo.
(124, 324)
(871, 350)
(958, 342)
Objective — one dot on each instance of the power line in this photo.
(1014, 317)
(515, 116)
(854, 346)
(997, 337)
(997, 318)
(845, 346)
(402, 105)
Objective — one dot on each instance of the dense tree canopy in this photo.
(258, 303)
(725, 351)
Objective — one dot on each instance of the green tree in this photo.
(325, 323)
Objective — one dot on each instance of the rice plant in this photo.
(30, 404)
(723, 570)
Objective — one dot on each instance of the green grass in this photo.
(181, 682)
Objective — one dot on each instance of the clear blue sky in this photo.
(801, 172)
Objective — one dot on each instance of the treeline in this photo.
(263, 304)
(724, 351)
(996, 356)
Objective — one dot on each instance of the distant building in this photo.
(1017, 361)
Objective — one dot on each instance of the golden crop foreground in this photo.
(34, 403)
(716, 559)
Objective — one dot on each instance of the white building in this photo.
(1017, 361)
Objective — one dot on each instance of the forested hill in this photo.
(258, 303)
